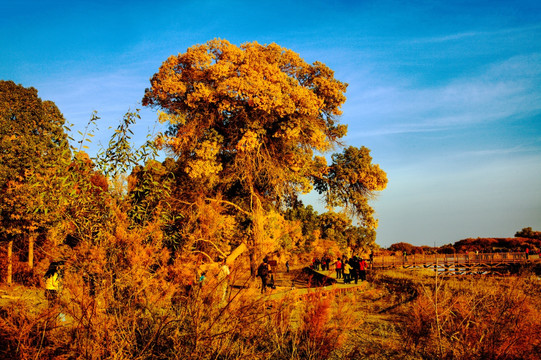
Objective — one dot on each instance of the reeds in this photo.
(146, 314)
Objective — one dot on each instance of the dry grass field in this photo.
(395, 315)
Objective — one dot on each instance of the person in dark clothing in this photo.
(354, 262)
(317, 263)
(263, 272)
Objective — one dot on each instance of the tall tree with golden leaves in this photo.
(244, 123)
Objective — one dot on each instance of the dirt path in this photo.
(20, 293)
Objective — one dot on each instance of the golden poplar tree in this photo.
(245, 123)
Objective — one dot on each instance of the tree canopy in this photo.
(32, 143)
(253, 114)
(248, 128)
(527, 232)
(351, 181)
(246, 124)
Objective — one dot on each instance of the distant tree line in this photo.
(524, 239)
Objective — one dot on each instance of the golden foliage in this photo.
(271, 108)
(204, 164)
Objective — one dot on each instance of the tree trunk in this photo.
(257, 252)
(10, 262)
(31, 242)
(253, 262)
(235, 254)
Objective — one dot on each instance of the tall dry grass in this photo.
(142, 310)
(197, 326)
(475, 318)
(123, 298)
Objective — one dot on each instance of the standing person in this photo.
(354, 262)
(338, 267)
(362, 269)
(52, 283)
(287, 266)
(346, 271)
(263, 272)
(371, 259)
(202, 278)
(223, 281)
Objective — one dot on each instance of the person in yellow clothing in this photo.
(346, 272)
(52, 282)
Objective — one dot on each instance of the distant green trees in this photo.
(33, 147)
(330, 225)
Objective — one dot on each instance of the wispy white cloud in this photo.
(512, 31)
(510, 88)
(491, 152)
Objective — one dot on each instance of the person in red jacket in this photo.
(338, 266)
(362, 267)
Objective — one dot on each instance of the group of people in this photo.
(351, 269)
(321, 264)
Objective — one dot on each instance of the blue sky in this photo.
(446, 94)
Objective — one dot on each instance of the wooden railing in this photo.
(382, 262)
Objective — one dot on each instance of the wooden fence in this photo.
(455, 263)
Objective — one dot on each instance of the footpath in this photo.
(302, 284)
(295, 284)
